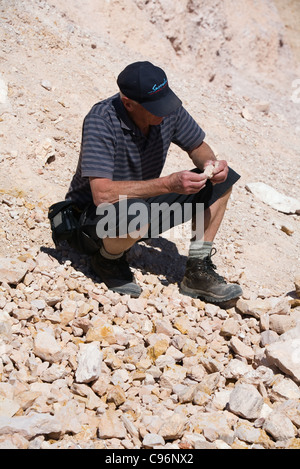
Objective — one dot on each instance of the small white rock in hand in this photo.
(216, 171)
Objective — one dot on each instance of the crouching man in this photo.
(125, 141)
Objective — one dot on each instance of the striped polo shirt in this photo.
(114, 147)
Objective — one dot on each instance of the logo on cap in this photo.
(157, 88)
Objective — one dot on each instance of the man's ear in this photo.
(128, 103)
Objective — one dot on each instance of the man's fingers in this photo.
(187, 182)
(192, 176)
(221, 172)
(194, 182)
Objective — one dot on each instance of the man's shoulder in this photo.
(180, 114)
(103, 108)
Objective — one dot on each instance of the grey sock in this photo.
(200, 249)
(107, 255)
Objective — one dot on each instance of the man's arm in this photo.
(203, 155)
(107, 191)
(183, 182)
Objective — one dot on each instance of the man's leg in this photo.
(214, 215)
(204, 234)
(129, 223)
(117, 246)
(201, 279)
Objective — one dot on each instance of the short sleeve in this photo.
(98, 147)
(187, 133)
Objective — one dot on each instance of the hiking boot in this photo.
(116, 274)
(202, 281)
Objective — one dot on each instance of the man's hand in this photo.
(186, 182)
(220, 171)
(203, 156)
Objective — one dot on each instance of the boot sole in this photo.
(133, 292)
(208, 297)
(130, 288)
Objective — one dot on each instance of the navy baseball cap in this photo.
(148, 85)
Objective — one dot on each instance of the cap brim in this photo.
(163, 106)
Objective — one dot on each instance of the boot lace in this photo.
(209, 267)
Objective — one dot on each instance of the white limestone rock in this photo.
(89, 363)
(47, 348)
(279, 426)
(111, 426)
(12, 271)
(8, 407)
(273, 198)
(286, 355)
(31, 425)
(246, 401)
(152, 439)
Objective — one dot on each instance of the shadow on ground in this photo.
(157, 256)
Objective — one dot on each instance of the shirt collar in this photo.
(125, 121)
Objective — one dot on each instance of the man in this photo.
(125, 140)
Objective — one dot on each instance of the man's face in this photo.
(140, 115)
(151, 118)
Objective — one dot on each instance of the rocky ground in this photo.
(82, 367)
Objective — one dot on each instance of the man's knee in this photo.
(125, 218)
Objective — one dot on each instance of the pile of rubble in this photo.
(81, 366)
